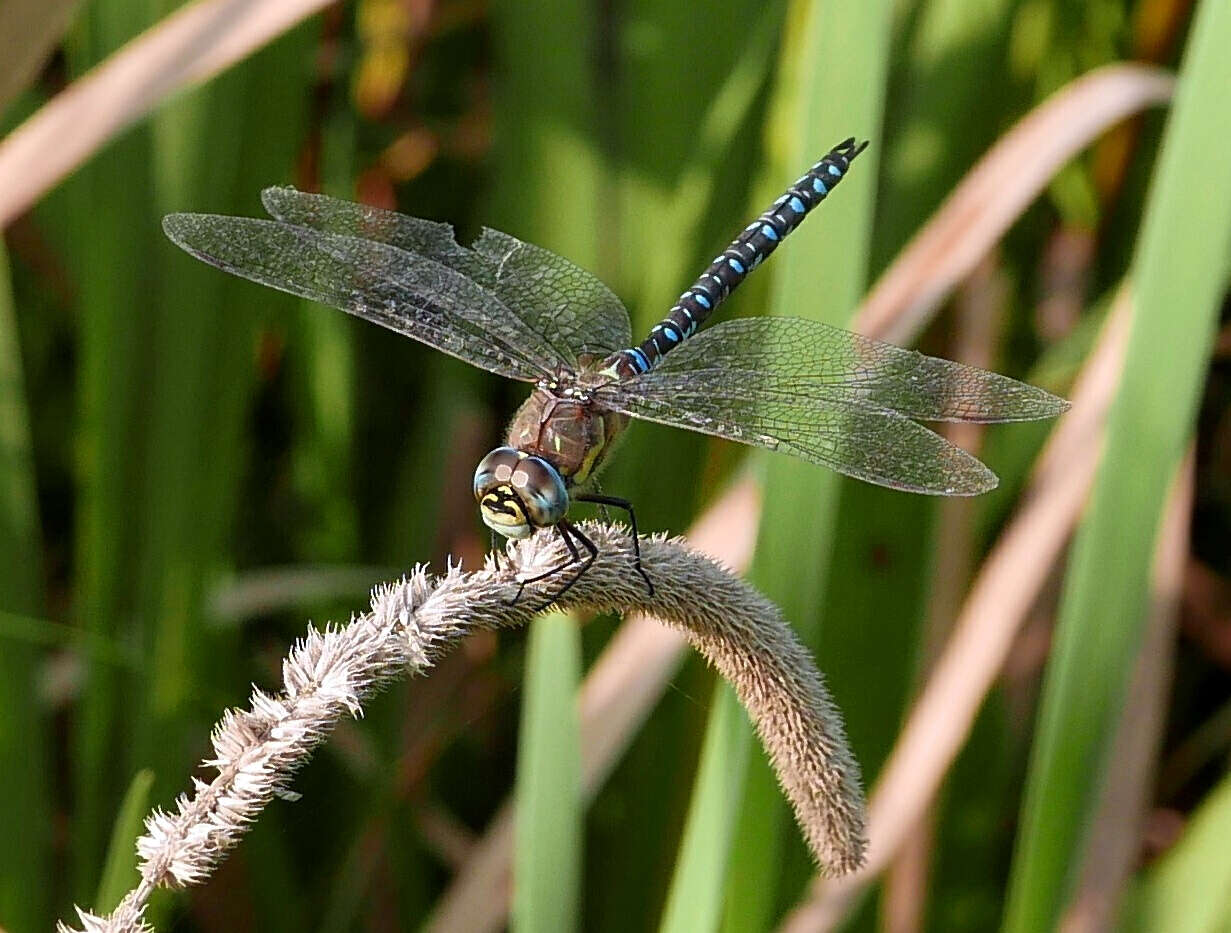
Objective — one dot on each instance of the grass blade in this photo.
(1116, 833)
(1180, 271)
(120, 867)
(831, 85)
(694, 902)
(1189, 891)
(821, 65)
(109, 236)
(549, 190)
(162, 407)
(25, 805)
(547, 864)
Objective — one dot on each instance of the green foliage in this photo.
(548, 861)
(1179, 279)
(695, 901)
(119, 873)
(25, 793)
(1188, 890)
(830, 87)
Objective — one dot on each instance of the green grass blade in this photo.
(686, 160)
(830, 86)
(200, 382)
(24, 630)
(1189, 890)
(549, 190)
(197, 398)
(948, 93)
(162, 403)
(695, 899)
(821, 65)
(25, 805)
(687, 208)
(324, 357)
(1180, 272)
(109, 241)
(547, 859)
(551, 178)
(120, 867)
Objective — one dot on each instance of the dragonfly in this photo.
(801, 387)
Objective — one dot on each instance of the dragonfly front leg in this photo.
(625, 505)
(573, 558)
(497, 547)
(567, 529)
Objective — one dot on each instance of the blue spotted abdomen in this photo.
(732, 265)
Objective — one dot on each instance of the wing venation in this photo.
(831, 397)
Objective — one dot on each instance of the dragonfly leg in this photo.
(596, 490)
(496, 549)
(625, 505)
(573, 558)
(567, 529)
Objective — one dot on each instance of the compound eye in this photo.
(541, 489)
(496, 469)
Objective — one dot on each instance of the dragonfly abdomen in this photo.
(732, 265)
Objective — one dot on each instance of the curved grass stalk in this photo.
(616, 696)
(330, 673)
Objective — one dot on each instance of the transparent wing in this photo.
(831, 397)
(408, 293)
(568, 307)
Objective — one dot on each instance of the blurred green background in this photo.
(193, 467)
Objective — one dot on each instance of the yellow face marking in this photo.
(503, 512)
(504, 507)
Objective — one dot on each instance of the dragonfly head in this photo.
(518, 493)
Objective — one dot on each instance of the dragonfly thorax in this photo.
(519, 493)
(565, 426)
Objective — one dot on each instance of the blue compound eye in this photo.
(496, 469)
(518, 493)
(541, 489)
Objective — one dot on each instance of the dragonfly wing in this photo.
(408, 293)
(553, 295)
(833, 398)
(870, 444)
(791, 357)
(568, 308)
